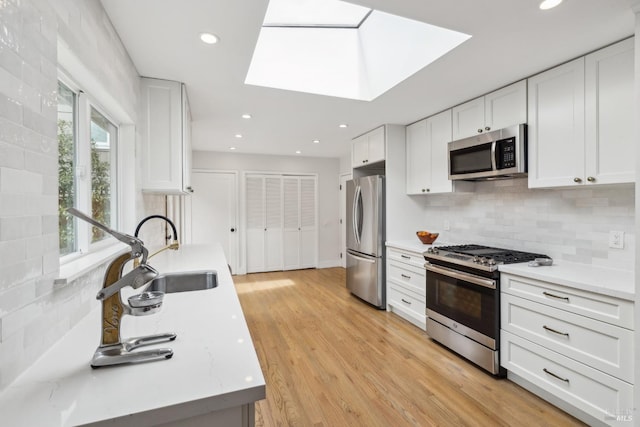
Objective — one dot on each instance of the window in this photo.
(87, 170)
(66, 167)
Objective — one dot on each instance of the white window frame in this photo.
(82, 173)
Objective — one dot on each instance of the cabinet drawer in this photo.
(601, 307)
(594, 392)
(600, 345)
(410, 277)
(412, 258)
(407, 305)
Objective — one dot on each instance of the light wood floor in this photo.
(331, 360)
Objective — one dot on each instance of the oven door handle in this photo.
(476, 280)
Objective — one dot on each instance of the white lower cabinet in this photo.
(406, 286)
(571, 344)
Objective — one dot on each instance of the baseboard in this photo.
(330, 263)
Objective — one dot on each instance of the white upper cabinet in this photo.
(368, 148)
(609, 112)
(427, 163)
(581, 121)
(496, 110)
(166, 140)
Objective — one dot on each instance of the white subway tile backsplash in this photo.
(13, 228)
(569, 224)
(29, 264)
(16, 181)
(11, 156)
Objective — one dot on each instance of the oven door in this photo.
(464, 302)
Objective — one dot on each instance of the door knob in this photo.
(591, 179)
(576, 179)
(233, 230)
(487, 128)
(479, 130)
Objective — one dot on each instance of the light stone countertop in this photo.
(214, 364)
(601, 280)
(413, 245)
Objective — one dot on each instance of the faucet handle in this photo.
(137, 277)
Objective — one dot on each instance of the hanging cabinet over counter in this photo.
(166, 137)
(581, 121)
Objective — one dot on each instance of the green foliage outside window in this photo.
(66, 187)
(100, 188)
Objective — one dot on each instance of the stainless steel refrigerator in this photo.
(365, 239)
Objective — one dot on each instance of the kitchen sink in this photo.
(184, 281)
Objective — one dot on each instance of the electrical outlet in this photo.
(446, 225)
(616, 239)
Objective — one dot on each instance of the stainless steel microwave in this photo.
(493, 155)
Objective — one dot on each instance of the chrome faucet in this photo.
(112, 349)
(174, 245)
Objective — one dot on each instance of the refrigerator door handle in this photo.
(359, 258)
(356, 214)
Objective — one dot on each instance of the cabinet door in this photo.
(468, 118)
(439, 136)
(418, 155)
(162, 161)
(506, 107)
(359, 151)
(308, 226)
(609, 82)
(376, 140)
(291, 196)
(186, 142)
(273, 223)
(254, 190)
(556, 126)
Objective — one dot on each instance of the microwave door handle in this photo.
(476, 280)
(494, 161)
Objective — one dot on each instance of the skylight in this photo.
(314, 13)
(334, 48)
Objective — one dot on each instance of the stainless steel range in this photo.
(463, 299)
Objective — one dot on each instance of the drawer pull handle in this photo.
(547, 294)
(566, 334)
(404, 276)
(566, 380)
(405, 256)
(405, 301)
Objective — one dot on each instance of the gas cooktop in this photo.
(477, 256)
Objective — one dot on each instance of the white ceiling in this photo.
(512, 39)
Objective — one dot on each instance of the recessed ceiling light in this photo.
(246, 116)
(316, 141)
(232, 148)
(548, 4)
(209, 38)
(298, 152)
(343, 125)
(238, 135)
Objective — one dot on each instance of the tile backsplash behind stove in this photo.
(568, 224)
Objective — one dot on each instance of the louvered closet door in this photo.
(255, 212)
(308, 227)
(291, 195)
(273, 222)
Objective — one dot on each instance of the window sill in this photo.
(72, 270)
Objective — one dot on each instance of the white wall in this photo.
(328, 170)
(37, 34)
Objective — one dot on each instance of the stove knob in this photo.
(491, 262)
(484, 261)
(429, 250)
(435, 251)
(476, 259)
